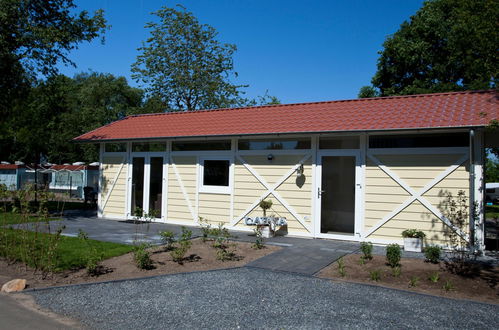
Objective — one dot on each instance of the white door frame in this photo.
(147, 177)
(355, 236)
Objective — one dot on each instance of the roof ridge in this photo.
(309, 103)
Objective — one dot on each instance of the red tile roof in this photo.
(442, 110)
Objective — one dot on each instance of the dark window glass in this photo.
(148, 147)
(490, 190)
(200, 145)
(156, 186)
(115, 147)
(7, 171)
(216, 173)
(277, 144)
(419, 140)
(339, 142)
(137, 185)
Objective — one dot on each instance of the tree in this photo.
(183, 64)
(448, 45)
(367, 91)
(491, 170)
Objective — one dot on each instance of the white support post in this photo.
(100, 209)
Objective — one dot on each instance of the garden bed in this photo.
(483, 286)
(201, 256)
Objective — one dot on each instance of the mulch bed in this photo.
(482, 286)
(200, 257)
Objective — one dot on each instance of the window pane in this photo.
(419, 140)
(156, 186)
(216, 173)
(339, 142)
(201, 145)
(137, 185)
(148, 147)
(274, 144)
(115, 147)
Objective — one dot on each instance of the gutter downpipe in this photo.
(472, 207)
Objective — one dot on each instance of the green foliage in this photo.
(491, 170)
(362, 260)
(435, 277)
(448, 45)
(168, 239)
(265, 205)
(396, 271)
(413, 282)
(432, 254)
(448, 286)
(367, 91)
(142, 256)
(183, 245)
(259, 241)
(375, 275)
(393, 254)
(367, 250)
(413, 233)
(184, 65)
(341, 267)
(93, 256)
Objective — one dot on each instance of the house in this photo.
(357, 170)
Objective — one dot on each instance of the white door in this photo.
(338, 195)
(147, 185)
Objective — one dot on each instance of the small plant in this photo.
(393, 253)
(413, 233)
(184, 244)
(434, 278)
(375, 275)
(168, 239)
(432, 254)
(448, 286)
(396, 271)
(341, 267)
(142, 257)
(265, 205)
(205, 228)
(413, 282)
(362, 260)
(93, 259)
(259, 242)
(367, 250)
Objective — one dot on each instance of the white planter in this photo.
(266, 232)
(412, 244)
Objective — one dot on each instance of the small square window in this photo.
(215, 176)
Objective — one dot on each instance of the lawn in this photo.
(9, 218)
(71, 252)
(491, 211)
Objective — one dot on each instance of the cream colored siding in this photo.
(383, 194)
(178, 206)
(116, 203)
(248, 189)
(215, 208)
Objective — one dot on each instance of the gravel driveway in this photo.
(257, 298)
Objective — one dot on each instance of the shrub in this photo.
(367, 250)
(413, 233)
(341, 267)
(448, 286)
(375, 275)
(226, 253)
(259, 242)
(205, 228)
(362, 260)
(432, 254)
(142, 257)
(184, 243)
(413, 282)
(168, 239)
(393, 253)
(265, 205)
(93, 258)
(435, 277)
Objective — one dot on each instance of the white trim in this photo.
(205, 153)
(128, 181)
(274, 152)
(232, 178)
(313, 203)
(272, 190)
(416, 195)
(182, 188)
(101, 180)
(206, 189)
(362, 196)
(197, 190)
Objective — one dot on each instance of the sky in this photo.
(299, 51)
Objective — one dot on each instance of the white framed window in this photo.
(215, 175)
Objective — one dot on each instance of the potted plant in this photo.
(413, 240)
(265, 229)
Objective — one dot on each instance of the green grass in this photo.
(8, 218)
(71, 251)
(491, 211)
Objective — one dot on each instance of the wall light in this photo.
(299, 170)
(270, 157)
